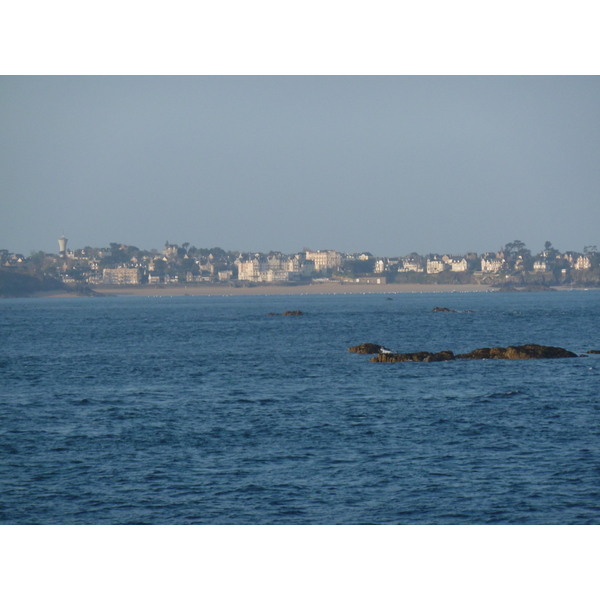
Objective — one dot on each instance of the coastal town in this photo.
(176, 265)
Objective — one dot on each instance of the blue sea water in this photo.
(205, 410)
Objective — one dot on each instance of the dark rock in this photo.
(368, 348)
(526, 351)
(593, 351)
(440, 356)
(273, 315)
(442, 309)
(414, 357)
(292, 313)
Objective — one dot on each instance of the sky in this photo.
(385, 164)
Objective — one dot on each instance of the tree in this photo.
(160, 266)
(514, 249)
(187, 264)
(550, 252)
(36, 260)
(116, 258)
(517, 250)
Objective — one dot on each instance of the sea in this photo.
(208, 410)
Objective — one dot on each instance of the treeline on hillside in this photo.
(14, 283)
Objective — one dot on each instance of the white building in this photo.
(436, 265)
(264, 270)
(122, 276)
(456, 263)
(582, 263)
(298, 266)
(380, 265)
(325, 259)
(250, 270)
(491, 264)
(170, 250)
(411, 265)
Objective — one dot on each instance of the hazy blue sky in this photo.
(389, 165)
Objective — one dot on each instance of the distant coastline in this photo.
(269, 290)
(274, 290)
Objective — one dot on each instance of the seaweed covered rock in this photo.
(292, 313)
(415, 357)
(368, 348)
(442, 309)
(527, 351)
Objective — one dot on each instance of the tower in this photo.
(62, 245)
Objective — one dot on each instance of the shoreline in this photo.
(320, 288)
(149, 291)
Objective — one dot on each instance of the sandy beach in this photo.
(320, 288)
(269, 290)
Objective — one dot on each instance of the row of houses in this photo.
(181, 264)
(257, 268)
(281, 268)
(432, 265)
(487, 263)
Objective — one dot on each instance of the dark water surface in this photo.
(206, 410)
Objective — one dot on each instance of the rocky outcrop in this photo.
(442, 309)
(368, 349)
(15, 284)
(593, 351)
(287, 313)
(414, 357)
(527, 351)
